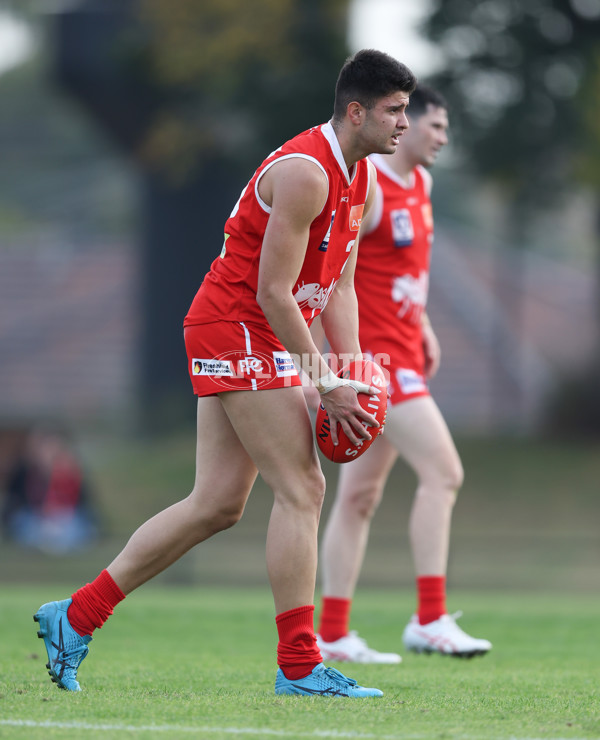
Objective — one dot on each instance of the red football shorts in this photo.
(404, 382)
(236, 356)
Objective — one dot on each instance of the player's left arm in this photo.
(431, 347)
(340, 317)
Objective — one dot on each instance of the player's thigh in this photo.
(274, 427)
(417, 429)
(224, 470)
(368, 473)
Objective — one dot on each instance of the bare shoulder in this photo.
(372, 186)
(295, 178)
(372, 180)
(372, 174)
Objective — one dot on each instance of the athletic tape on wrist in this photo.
(330, 381)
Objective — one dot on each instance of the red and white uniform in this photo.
(392, 278)
(229, 342)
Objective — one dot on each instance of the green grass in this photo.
(199, 661)
(180, 662)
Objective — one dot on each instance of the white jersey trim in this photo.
(376, 212)
(427, 178)
(267, 208)
(329, 134)
(379, 160)
(380, 163)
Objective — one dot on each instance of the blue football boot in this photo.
(66, 649)
(323, 682)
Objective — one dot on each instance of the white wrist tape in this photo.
(327, 383)
(330, 381)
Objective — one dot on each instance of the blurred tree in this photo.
(519, 78)
(523, 83)
(238, 76)
(197, 94)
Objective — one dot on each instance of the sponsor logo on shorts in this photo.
(284, 364)
(212, 367)
(250, 366)
(235, 369)
(410, 381)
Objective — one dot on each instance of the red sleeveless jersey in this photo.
(392, 272)
(229, 289)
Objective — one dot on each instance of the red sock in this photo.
(297, 651)
(431, 591)
(335, 618)
(93, 604)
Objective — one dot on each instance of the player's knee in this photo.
(365, 499)
(214, 515)
(225, 517)
(229, 517)
(456, 475)
(445, 473)
(315, 484)
(305, 491)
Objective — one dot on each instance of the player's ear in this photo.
(355, 112)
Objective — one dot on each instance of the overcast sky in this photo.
(391, 26)
(16, 42)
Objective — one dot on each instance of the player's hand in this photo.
(342, 406)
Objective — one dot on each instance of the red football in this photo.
(367, 372)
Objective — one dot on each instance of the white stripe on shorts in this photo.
(248, 349)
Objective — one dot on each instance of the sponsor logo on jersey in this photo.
(224, 248)
(427, 213)
(402, 227)
(411, 295)
(410, 381)
(284, 364)
(325, 242)
(356, 214)
(212, 367)
(313, 295)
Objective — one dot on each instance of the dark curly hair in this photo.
(367, 77)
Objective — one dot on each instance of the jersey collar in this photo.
(329, 134)
(380, 162)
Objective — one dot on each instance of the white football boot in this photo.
(353, 649)
(443, 636)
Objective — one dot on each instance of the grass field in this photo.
(193, 653)
(526, 518)
(180, 662)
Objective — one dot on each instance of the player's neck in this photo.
(350, 151)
